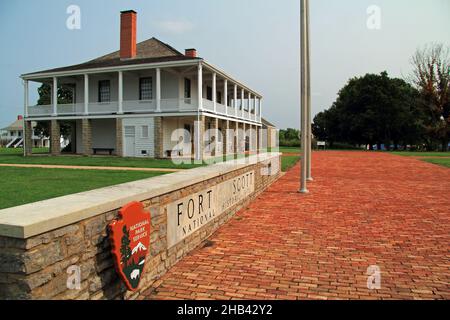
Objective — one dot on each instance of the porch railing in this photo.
(40, 110)
(73, 108)
(220, 108)
(103, 107)
(138, 106)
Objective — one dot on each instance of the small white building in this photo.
(132, 102)
(12, 136)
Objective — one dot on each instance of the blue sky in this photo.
(256, 41)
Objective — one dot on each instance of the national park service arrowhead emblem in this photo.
(130, 240)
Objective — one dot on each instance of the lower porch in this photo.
(153, 137)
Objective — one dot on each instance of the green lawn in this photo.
(442, 162)
(290, 150)
(15, 156)
(19, 151)
(287, 162)
(421, 154)
(26, 185)
(439, 158)
(285, 150)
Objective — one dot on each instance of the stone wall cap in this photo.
(32, 219)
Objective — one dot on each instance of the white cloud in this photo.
(175, 26)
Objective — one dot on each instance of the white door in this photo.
(130, 141)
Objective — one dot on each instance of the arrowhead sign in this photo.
(130, 239)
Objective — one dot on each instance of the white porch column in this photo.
(254, 108)
(235, 101)
(86, 94)
(249, 103)
(225, 95)
(260, 109)
(242, 103)
(257, 100)
(158, 90)
(25, 98)
(55, 96)
(200, 86)
(214, 91)
(120, 94)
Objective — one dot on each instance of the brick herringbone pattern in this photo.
(364, 209)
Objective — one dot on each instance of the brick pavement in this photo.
(364, 209)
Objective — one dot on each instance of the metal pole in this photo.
(25, 115)
(308, 95)
(303, 96)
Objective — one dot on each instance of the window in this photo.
(219, 97)
(187, 88)
(104, 91)
(145, 88)
(144, 131)
(209, 93)
(229, 101)
(129, 131)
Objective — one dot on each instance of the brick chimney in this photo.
(192, 53)
(127, 34)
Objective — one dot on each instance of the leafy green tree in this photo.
(289, 137)
(65, 96)
(373, 109)
(326, 126)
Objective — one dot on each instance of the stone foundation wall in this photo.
(37, 267)
(28, 134)
(159, 149)
(119, 137)
(86, 136)
(55, 137)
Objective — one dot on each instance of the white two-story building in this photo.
(130, 102)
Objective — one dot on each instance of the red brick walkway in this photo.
(364, 209)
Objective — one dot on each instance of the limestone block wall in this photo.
(55, 134)
(40, 241)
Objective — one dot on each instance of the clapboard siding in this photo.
(141, 143)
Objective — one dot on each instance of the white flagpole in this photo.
(308, 95)
(303, 95)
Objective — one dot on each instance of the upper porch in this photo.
(144, 89)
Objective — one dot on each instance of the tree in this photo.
(125, 250)
(326, 126)
(373, 109)
(65, 96)
(431, 76)
(289, 137)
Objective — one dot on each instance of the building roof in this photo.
(148, 51)
(267, 123)
(16, 125)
